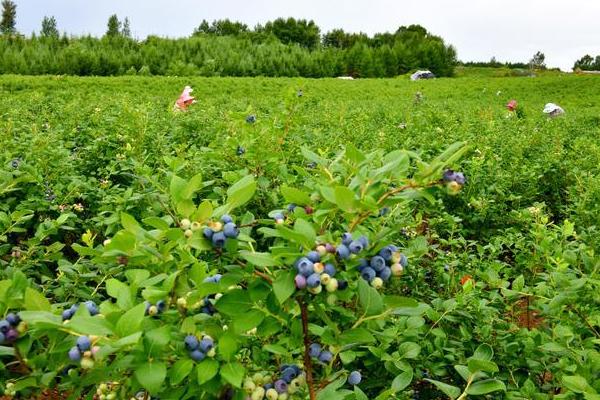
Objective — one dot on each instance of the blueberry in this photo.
(217, 278)
(83, 343)
(278, 216)
(74, 354)
(355, 247)
(314, 350)
(364, 241)
(325, 356)
(280, 386)
(288, 374)
(4, 326)
(11, 335)
(197, 355)
(354, 378)
(377, 263)
(446, 268)
(300, 93)
(161, 305)
(305, 267)
(313, 256)
(91, 307)
(343, 251)
(342, 285)
(403, 260)
(300, 281)
(312, 165)
(13, 319)
(368, 274)
(2, 338)
(459, 178)
(329, 248)
(385, 273)
(231, 230)
(74, 309)
(15, 163)
(268, 386)
(218, 239)
(362, 264)
(346, 238)
(206, 345)
(208, 233)
(384, 211)
(251, 119)
(226, 219)
(191, 342)
(448, 175)
(240, 150)
(313, 281)
(330, 269)
(291, 207)
(386, 253)
(148, 305)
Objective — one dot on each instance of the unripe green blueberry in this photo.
(453, 187)
(182, 302)
(218, 296)
(252, 332)
(282, 396)
(216, 226)
(152, 310)
(377, 282)
(322, 250)
(267, 379)
(318, 268)
(332, 285)
(316, 290)
(212, 353)
(396, 257)
(103, 387)
(331, 299)
(87, 354)
(185, 224)
(111, 396)
(249, 385)
(325, 279)
(258, 378)
(22, 327)
(102, 397)
(278, 221)
(195, 226)
(106, 242)
(87, 363)
(272, 394)
(188, 233)
(397, 269)
(258, 394)
(294, 386)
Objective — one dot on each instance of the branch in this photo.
(307, 360)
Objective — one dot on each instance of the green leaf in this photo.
(235, 302)
(345, 198)
(151, 376)
(241, 192)
(206, 370)
(7, 351)
(357, 335)
(233, 373)
(295, 196)
(476, 365)
(393, 302)
(120, 291)
(180, 370)
(451, 391)
(90, 325)
(259, 259)
(130, 224)
(369, 298)
(243, 323)
(359, 394)
(305, 229)
(486, 386)
(228, 346)
(484, 352)
(402, 380)
(409, 350)
(284, 286)
(205, 210)
(131, 321)
(35, 301)
(41, 319)
(576, 383)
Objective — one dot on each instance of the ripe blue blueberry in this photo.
(206, 345)
(313, 281)
(362, 264)
(288, 374)
(343, 251)
(364, 241)
(268, 386)
(83, 343)
(342, 285)
(330, 269)
(91, 307)
(161, 305)
(218, 239)
(191, 342)
(300, 281)
(459, 178)
(278, 216)
(231, 230)
(354, 378)
(346, 238)
(314, 350)
(291, 207)
(325, 356)
(13, 319)
(240, 150)
(208, 233)
(313, 256)
(305, 267)
(11, 335)
(74, 354)
(385, 273)
(2, 338)
(386, 253)
(280, 386)
(355, 247)
(368, 274)
(226, 219)
(448, 175)
(384, 211)
(377, 263)
(197, 355)
(4, 326)
(217, 278)
(251, 119)
(403, 260)
(312, 165)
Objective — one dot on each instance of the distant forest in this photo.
(283, 47)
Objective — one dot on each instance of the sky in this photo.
(510, 30)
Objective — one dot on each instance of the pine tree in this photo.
(126, 31)
(49, 27)
(9, 17)
(114, 26)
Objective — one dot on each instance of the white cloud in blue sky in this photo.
(510, 30)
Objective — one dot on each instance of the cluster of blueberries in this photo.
(219, 232)
(200, 349)
(207, 303)
(379, 269)
(290, 381)
(83, 352)
(107, 391)
(10, 327)
(90, 305)
(350, 246)
(454, 180)
(314, 275)
(155, 309)
(316, 351)
(280, 217)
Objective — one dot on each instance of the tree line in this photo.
(283, 47)
(587, 63)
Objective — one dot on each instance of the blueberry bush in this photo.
(240, 251)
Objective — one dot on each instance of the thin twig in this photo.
(307, 360)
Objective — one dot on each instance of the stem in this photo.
(307, 361)
(464, 393)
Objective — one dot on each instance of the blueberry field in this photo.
(289, 239)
